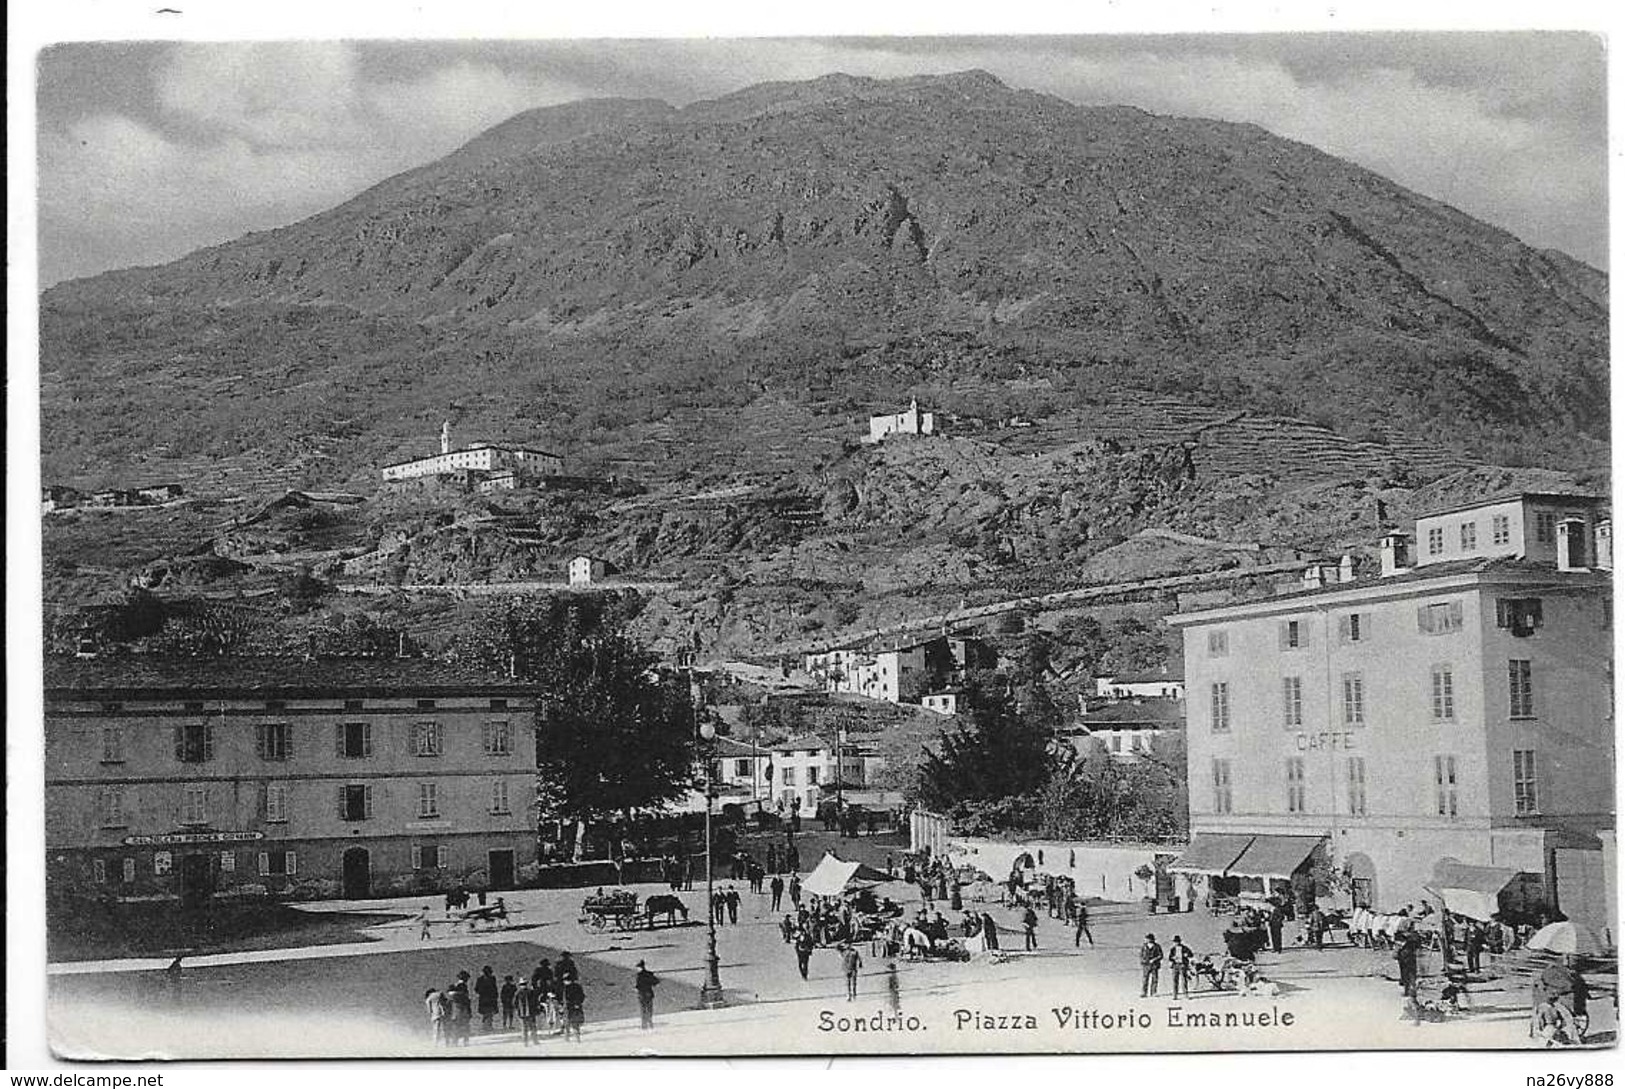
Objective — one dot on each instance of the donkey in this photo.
(663, 902)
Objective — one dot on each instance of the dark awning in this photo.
(1275, 856)
(1488, 880)
(1212, 853)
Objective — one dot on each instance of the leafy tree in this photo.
(614, 733)
(998, 753)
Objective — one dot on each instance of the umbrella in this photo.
(1570, 938)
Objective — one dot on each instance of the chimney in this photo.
(1345, 568)
(1605, 545)
(1571, 545)
(445, 437)
(1317, 575)
(1396, 554)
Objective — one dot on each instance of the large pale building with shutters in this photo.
(1446, 723)
(192, 779)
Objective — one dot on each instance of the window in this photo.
(195, 805)
(427, 739)
(112, 744)
(193, 705)
(1354, 628)
(1469, 536)
(1439, 618)
(273, 740)
(1117, 743)
(1356, 786)
(429, 856)
(1218, 644)
(1519, 615)
(1292, 702)
(1520, 689)
(111, 804)
(812, 776)
(194, 743)
(498, 739)
(228, 861)
(1545, 527)
(1444, 783)
(1500, 529)
(1353, 699)
(1291, 635)
(98, 870)
(354, 705)
(789, 779)
(428, 800)
(355, 802)
(499, 705)
(279, 863)
(276, 801)
(499, 796)
(276, 705)
(162, 863)
(425, 705)
(1221, 786)
(1444, 694)
(1294, 785)
(129, 871)
(741, 769)
(353, 740)
(1435, 540)
(1219, 709)
(1524, 798)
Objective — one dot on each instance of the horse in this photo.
(661, 902)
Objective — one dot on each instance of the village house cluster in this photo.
(60, 497)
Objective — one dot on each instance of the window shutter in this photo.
(208, 741)
(366, 804)
(260, 746)
(342, 813)
(265, 862)
(293, 864)
(1455, 616)
(180, 743)
(1424, 620)
(287, 741)
(1343, 629)
(1281, 634)
(440, 856)
(338, 740)
(1535, 618)
(366, 739)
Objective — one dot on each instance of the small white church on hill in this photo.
(910, 422)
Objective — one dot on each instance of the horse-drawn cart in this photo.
(616, 910)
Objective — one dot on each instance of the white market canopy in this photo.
(834, 875)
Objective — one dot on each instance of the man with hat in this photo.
(1150, 966)
(645, 986)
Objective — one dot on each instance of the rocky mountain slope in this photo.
(1124, 321)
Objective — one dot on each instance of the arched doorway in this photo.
(1362, 880)
(357, 873)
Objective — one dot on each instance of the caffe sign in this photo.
(1326, 739)
(176, 839)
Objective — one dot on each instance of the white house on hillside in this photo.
(911, 422)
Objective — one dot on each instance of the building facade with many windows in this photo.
(326, 778)
(1458, 711)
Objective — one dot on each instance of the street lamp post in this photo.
(711, 990)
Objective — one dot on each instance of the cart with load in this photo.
(616, 910)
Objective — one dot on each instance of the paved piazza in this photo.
(366, 997)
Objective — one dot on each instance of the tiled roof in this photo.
(138, 674)
(1151, 712)
(1419, 576)
(1576, 498)
(1151, 676)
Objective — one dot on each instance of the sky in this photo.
(148, 150)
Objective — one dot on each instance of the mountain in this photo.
(1125, 322)
(583, 274)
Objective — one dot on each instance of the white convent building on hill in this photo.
(911, 422)
(482, 457)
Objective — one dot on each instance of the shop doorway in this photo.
(197, 879)
(501, 869)
(357, 874)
